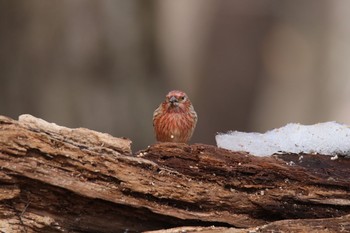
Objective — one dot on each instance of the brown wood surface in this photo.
(56, 179)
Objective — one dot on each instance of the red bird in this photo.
(175, 119)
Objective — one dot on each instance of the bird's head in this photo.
(177, 100)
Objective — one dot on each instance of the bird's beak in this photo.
(173, 100)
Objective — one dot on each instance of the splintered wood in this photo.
(56, 179)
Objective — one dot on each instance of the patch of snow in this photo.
(329, 138)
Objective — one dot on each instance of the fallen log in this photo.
(340, 224)
(56, 179)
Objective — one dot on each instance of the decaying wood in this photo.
(340, 224)
(56, 179)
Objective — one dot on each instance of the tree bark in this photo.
(56, 179)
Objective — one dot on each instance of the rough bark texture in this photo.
(55, 179)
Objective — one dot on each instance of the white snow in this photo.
(329, 138)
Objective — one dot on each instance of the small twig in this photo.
(24, 210)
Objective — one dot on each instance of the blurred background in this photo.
(106, 65)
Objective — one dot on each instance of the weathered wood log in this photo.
(340, 224)
(55, 179)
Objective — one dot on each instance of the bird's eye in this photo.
(182, 98)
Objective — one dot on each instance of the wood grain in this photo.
(56, 179)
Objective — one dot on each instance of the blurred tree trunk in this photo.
(74, 62)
